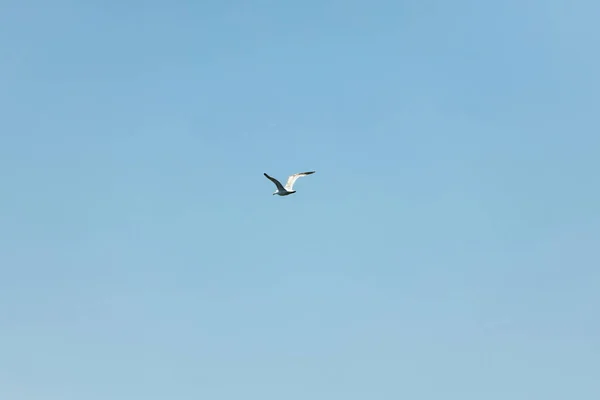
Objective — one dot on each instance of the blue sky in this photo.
(447, 247)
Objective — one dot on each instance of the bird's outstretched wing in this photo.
(276, 182)
(292, 178)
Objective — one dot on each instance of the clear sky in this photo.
(448, 246)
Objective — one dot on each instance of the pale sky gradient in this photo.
(448, 246)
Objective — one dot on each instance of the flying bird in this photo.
(289, 186)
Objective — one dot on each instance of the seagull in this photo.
(288, 189)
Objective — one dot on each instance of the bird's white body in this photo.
(283, 193)
(288, 188)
